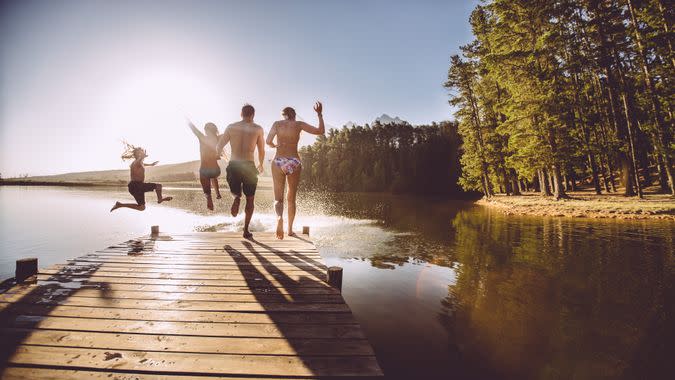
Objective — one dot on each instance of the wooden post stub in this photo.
(25, 268)
(305, 230)
(335, 277)
(154, 230)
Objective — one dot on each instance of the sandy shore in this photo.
(585, 205)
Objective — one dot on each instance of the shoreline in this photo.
(585, 205)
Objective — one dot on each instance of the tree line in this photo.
(398, 158)
(554, 92)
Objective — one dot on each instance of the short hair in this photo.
(247, 110)
(289, 113)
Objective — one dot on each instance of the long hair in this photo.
(129, 152)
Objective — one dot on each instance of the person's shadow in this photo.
(345, 336)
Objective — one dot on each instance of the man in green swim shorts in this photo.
(242, 174)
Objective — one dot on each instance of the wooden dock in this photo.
(179, 306)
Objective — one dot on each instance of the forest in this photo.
(555, 94)
(398, 158)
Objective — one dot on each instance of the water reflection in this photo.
(530, 297)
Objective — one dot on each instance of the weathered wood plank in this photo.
(96, 278)
(176, 304)
(193, 344)
(167, 362)
(35, 373)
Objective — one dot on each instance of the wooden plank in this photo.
(185, 264)
(180, 288)
(35, 373)
(252, 330)
(129, 268)
(166, 274)
(34, 313)
(184, 363)
(149, 295)
(193, 344)
(176, 304)
(96, 278)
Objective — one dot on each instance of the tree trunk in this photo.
(559, 191)
(663, 177)
(543, 182)
(515, 185)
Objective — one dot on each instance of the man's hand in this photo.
(318, 107)
(155, 163)
(261, 168)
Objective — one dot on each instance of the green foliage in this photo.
(396, 158)
(567, 88)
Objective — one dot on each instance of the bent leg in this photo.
(293, 182)
(279, 179)
(158, 191)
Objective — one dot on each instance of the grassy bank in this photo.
(586, 205)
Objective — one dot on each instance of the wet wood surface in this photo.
(179, 306)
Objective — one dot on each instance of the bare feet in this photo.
(292, 234)
(165, 199)
(248, 235)
(115, 207)
(234, 210)
(280, 228)
(209, 202)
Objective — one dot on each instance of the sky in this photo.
(78, 77)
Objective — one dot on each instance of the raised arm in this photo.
(152, 164)
(270, 136)
(223, 140)
(318, 107)
(196, 131)
(261, 150)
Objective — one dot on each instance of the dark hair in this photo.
(247, 110)
(289, 113)
(212, 127)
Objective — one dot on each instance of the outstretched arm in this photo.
(318, 107)
(270, 136)
(261, 151)
(223, 140)
(196, 131)
(152, 164)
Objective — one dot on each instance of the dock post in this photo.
(154, 230)
(305, 230)
(25, 268)
(335, 277)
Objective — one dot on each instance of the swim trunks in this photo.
(242, 175)
(138, 190)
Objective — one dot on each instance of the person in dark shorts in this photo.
(209, 170)
(137, 186)
(242, 174)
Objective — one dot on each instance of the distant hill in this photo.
(185, 171)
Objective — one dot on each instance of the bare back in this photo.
(137, 171)
(288, 135)
(244, 137)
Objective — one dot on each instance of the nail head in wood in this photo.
(335, 277)
(154, 230)
(305, 230)
(25, 268)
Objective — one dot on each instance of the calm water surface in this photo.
(443, 289)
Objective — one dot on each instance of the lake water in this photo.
(442, 289)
